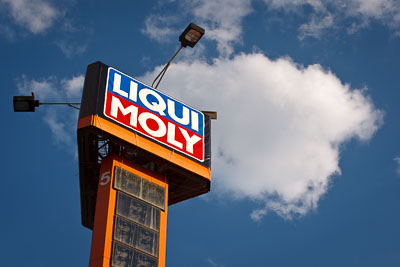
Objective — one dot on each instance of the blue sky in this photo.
(306, 157)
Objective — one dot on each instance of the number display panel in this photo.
(136, 236)
(138, 210)
(124, 256)
(136, 186)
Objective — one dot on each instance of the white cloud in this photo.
(158, 28)
(397, 160)
(37, 17)
(52, 89)
(43, 89)
(70, 49)
(294, 4)
(61, 126)
(258, 214)
(34, 15)
(213, 263)
(333, 12)
(73, 87)
(386, 12)
(222, 20)
(280, 127)
(372, 8)
(316, 26)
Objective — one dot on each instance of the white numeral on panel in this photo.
(105, 178)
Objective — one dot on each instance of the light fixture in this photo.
(189, 37)
(28, 103)
(25, 103)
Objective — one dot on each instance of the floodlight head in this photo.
(191, 35)
(25, 103)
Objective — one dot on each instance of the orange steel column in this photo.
(100, 254)
(104, 231)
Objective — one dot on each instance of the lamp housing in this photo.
(25, 103)
(191, 35)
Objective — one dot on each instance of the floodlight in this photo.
(191, 35)
(25, 103)
(28, 103)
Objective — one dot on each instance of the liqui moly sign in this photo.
(154, 114)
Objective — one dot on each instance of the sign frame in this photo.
(142, 85)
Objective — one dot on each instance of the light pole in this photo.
(189, 37)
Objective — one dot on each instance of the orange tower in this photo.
(140, 151)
